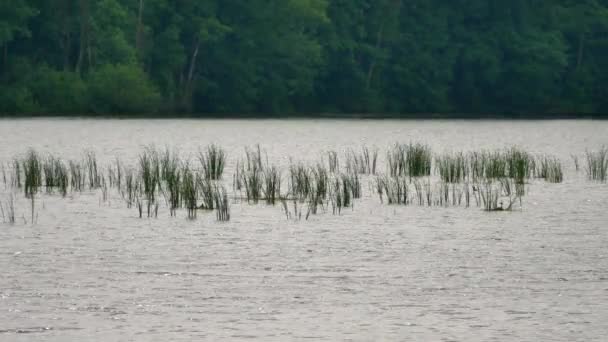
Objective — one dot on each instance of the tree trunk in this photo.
(84, 32)
(392, 10)
(188, 88)
(581, 50)
(138, 33)
(372, 65)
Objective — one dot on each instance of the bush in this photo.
(59, 92)
(122, 89)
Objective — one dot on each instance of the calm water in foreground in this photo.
(93, 271)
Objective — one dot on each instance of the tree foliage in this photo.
(276, 57)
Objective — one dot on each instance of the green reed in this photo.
(333, 161)
(550, 169)
(452, 168)
(222, 204)
(272, 185)
(212, 162)
(597, 164)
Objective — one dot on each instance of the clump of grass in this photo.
(520, 164)
(77, 177)
(363, 163)
(597, 164)
(272, 185)
(550, 169)
(498, 196)
(212, 162)
(495, 166)
(333, 162)
(189, 192)
(252, 181)
(254, 158)
(413, 160)
(131, 189)
(418, 159)
(149, 173)
(340, 196)
(351, 184)
(56, 175)
(8, 210)
(396, 190)
(452, 168)
(222, 204)
(32, 168)
(92, 170)
(320, 181)
(300, 181)
(207, 191)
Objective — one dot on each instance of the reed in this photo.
(272, 185)
(550, 169)
(207, 191)
(452, 168)
(254, 158)
(597, 164)
(131, 191)
(498, 195)
(77, 177)
(212, 162)
(340, 196)
(520, 164)
(418, 159)
(252, 182)
(300, 184)
(222, 204)
(351, 184)
(333, 162)
(495, 166)
(8, 210)
(363, 163)
(396, 190)
(32, 168)
(149, 173)
(92, 170)
(189, 192)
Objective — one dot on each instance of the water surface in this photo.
(94, 271)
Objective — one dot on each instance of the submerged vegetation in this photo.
(491, 180)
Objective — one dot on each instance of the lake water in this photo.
(90, 270)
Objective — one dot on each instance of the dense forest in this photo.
(278, 57)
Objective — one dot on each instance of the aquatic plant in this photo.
(396, 189)
(452, 168)
(8, 210)
(418, 159)
(550, 169)
(92, 170)
(363, 163)
(222, 204)
(32, 168)
(520, 164)
(212, 162)
(333, 161)
(252, 182)
(597, 164)
(272, 185)
(189, 192)
(300, 181)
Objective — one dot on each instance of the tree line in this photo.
(277, 57)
